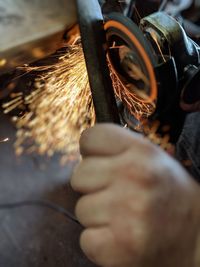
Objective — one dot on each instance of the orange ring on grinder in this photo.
(143, 54)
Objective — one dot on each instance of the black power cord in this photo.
(40, 203)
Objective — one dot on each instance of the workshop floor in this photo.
(31, 237)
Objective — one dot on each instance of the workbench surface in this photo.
(35, 237)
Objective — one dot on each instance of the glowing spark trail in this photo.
(60, 107)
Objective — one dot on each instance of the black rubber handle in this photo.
(93, 40)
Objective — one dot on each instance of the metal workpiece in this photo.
(93, 40)
(30, 30)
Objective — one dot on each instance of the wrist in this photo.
(184, 248)
(191, 236)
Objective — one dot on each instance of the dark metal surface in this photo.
(91, 26)
(35, 237)
(32, 29)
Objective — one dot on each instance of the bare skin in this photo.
(139, 207)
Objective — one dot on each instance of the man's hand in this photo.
(139, 206)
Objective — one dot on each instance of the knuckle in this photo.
(149, 181)
(140, 210)
(80, 173)
(73, 183)
(88, 245)
(80, 209)
(86, 141)
(75, 179)
(143, 169)
(85, 138)
(86, 164)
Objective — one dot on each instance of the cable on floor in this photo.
(40, 203)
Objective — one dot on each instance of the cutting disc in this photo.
(131, 58)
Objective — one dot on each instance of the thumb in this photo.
(107, 140)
